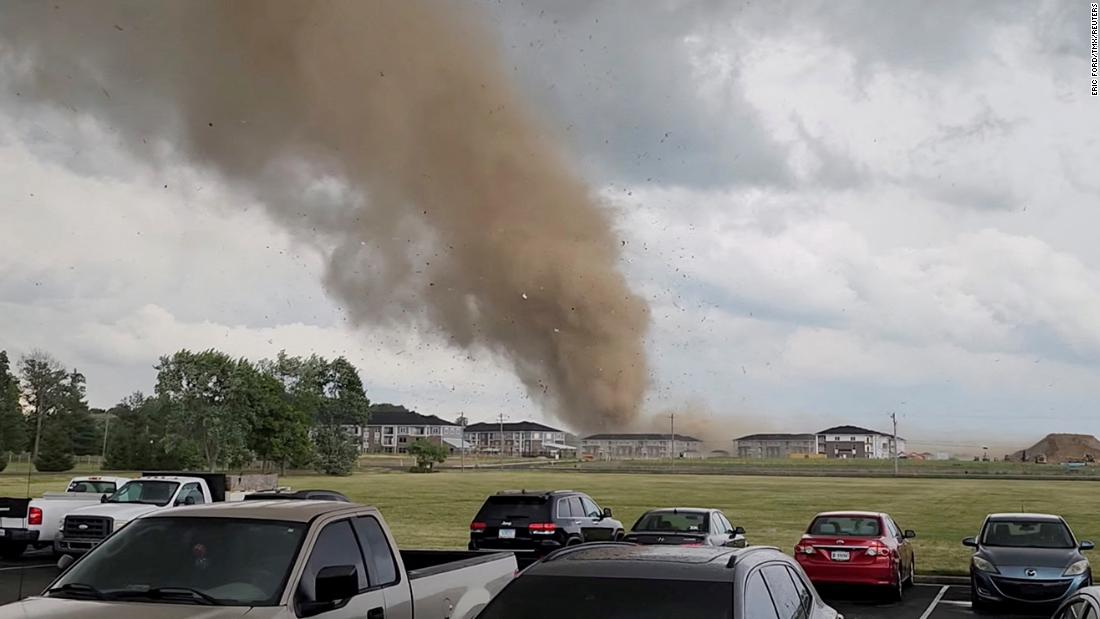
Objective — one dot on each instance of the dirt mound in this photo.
(1060, 448)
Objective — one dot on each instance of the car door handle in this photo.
(376, 613)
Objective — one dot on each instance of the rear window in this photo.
(98, 487)
(847, 526)
(610, 598)
(683, 522)
(1024, 534)
(515, 508)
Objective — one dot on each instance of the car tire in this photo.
(897, 588)
(12, 550)
(912, 573)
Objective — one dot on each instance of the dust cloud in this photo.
(389, 136)
(696, 419)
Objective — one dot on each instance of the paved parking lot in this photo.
(27, 576)
(921, 602)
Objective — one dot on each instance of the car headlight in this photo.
(984, 566)
(1077, 568)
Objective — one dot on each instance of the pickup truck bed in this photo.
(440, 580)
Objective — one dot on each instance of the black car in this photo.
(537, 523)
(686, 525)
(298, 495)
(623, 580)
(1026, 558)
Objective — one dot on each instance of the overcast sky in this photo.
(836, 210)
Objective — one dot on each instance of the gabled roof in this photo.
(516, 426)
(851, 430)
(651, 436)
(390, 415)
(778, 437)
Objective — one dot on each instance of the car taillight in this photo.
(805, 550)
(878, 549)
(542, 527)
(34, 516)
(477, 526)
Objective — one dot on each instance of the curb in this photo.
(935, 579)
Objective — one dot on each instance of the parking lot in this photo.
(921, 602)
(34, 571)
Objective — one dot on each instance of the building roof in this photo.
(778, 437)
(390, 415)
(291, 511)
(515, 426)
(650, 436)
(851, 430)
(458, 444)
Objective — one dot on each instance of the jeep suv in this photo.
(536, 523)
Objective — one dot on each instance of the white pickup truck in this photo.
(84, 528)
(279, 559)
(34, 522)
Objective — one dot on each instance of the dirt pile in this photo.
(1058, 448)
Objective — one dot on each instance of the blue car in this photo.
(1026, 559)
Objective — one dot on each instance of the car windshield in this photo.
(145, 491)
(514, 508)
(1027, 534)
(229, 562)
(847, 526)
(553, 597)
(97, 487)
(684, 522)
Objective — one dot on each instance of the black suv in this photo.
(525, 521)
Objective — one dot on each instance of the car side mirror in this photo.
(607, 512)
(971, 542)
(737, 531)
(103, 498)
(1086, 545)
(332, 588)
(65, 561)
(909, 534)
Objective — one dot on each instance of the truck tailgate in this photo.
(13, 512)
(455, 584)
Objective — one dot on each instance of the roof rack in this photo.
(561, 552)
(746, 550)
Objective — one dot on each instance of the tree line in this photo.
(208, 410)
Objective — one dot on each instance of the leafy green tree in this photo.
(279, 432)
(197, 387)
(427, 454)
(337, 450)
(139, 437)
(56, 450)
(46, 390)
(13, 434)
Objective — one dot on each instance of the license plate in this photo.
(507, 534)
(840, 555)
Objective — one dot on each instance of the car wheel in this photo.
(897, 588)
(573, 541)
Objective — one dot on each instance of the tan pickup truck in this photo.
(276, 559)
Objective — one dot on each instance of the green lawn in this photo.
(435, 510)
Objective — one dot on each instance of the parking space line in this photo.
(26, 567)
(935, 601)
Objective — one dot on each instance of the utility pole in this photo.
(672, 439)
(894, 419)
(106, 429)
(462, 443)
(502, 441)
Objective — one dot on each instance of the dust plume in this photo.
(696, 419)
(388, 136)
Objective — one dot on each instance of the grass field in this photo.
(434, 511)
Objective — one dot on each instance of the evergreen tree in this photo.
(55, 451)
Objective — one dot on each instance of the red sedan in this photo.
(857, 548)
